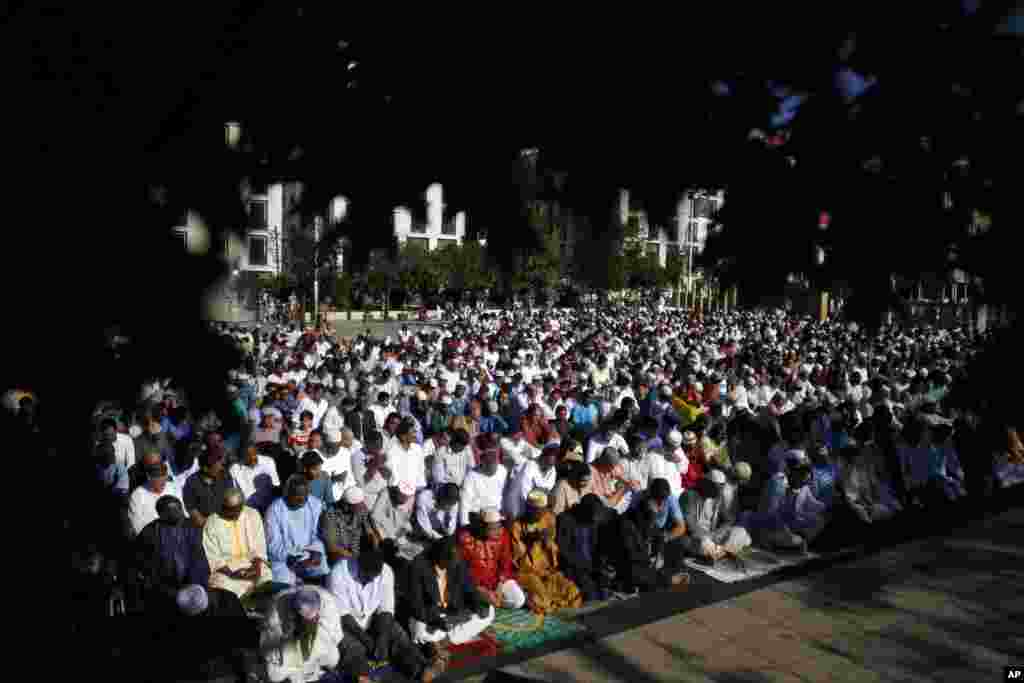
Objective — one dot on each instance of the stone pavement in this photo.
(939, 609)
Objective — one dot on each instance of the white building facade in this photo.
(693, 221)
(438, 231)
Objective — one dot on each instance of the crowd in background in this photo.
(386, 495)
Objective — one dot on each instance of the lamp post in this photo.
(316, 270)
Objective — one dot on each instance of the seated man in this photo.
(168, 555)
(256, 476)
(369, 468)
(484, 487)
(535, 559)
(768, 524)
(669, 528)
(800, 511)
(338, 465)
(579, 530)
(392, 522)
(608, 480)
(236, 546)
(320, 485)
(343, 529)
(535, 474)
(302, 637)
(206, 658)
(946, 475)
(487, 550)
(569, 492)
(861, 487)
(204, 490)
(712, 532)
(443, 601)
(626, 544)
(437, 515)
(142, 502)
(292, 543)
(364, 588)
(452, 461)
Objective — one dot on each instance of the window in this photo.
(227, 248)
(417, 226)
(183, 236)
(653, 249)
(692, 231)
(258, 214)
(257, 250)
(703, 207)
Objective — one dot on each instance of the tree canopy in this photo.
(125, 110)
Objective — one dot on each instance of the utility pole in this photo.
(316, 271)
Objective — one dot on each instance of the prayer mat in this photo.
(754, 562)
(466, 654)
(519, 629)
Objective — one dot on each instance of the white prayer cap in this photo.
(675, 438)
(743, 471)
(717, 476)
(193, 600)
(490, 515)
(354, 495)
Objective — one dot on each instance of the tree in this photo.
(675, 269)
(420, 270)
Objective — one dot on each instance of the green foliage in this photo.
(343, 291)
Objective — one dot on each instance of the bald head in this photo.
(232, 505)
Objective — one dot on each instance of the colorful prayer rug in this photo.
(519, 629)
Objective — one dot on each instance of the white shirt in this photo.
(332, 424)
(663, 468)
(432, 521)
(406, 465)
(520, 452)
(245, 476)
(380, 413)
(286, 661)
(480, 491)
(124, 450)
(180, 479)
(449, 467)
(528, 479)
(361, 601)
(142, 504)
(450, 379)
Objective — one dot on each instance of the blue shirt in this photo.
(493, 424)
(114, 477)
(584, 416)
(825, 483)
(668, 516)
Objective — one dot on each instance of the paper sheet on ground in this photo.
(755, 563)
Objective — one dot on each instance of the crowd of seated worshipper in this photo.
(409, 517)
